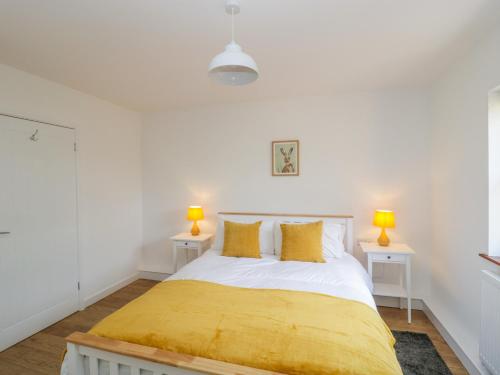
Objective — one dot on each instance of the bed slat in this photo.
(113, 368)
(93, 366)
(75, 360)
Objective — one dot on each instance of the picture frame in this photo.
(285, 158)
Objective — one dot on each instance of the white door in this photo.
(38, 227)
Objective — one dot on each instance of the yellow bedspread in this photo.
(285, 331)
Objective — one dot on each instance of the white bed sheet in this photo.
(340, 277)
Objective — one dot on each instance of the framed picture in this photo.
(285, 158)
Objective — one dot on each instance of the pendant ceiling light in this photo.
(233, 66)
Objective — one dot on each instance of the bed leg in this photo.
(75, 360)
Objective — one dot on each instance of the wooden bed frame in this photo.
(139, 357)
(83, 346)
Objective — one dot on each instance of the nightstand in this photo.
(396, 253)
(186, 242)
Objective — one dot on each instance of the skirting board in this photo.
(109, 290)
(157, 268)
(37, 322)
(466, 361)
(149, 275)
(416, 303)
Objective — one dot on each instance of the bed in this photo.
(340, 285)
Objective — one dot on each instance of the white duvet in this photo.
(340, 277)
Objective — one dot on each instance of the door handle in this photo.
(4, 232)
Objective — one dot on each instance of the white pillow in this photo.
(266, 233)
(333, 240)
(333, 237)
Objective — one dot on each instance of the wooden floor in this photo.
(41, 353)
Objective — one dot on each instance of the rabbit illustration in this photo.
(288, 167)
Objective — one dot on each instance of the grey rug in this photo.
(417, 355)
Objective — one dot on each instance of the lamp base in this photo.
(195, 229)
(383, 240)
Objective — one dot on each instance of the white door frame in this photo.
(77, 192)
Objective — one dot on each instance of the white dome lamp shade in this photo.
(233, 66)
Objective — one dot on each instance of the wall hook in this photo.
(34, 137)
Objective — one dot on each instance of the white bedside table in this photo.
(396, 253)
(186, 242)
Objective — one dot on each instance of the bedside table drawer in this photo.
(389, 258)
(187, 244)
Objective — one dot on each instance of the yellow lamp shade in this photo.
(195, 213)
(384, 219)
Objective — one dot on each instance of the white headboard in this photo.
(345, 220)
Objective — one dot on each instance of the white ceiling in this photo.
(153, 54)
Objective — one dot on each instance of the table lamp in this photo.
(194, 214)
(384, 219)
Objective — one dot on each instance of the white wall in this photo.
(110, 186)
(357, 153)
(460, 190)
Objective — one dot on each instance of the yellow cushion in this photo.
(241, 240)
(302, 242)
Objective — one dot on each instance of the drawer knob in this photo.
(388, 257)
(185, 243)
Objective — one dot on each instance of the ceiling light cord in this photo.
(232, 25)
